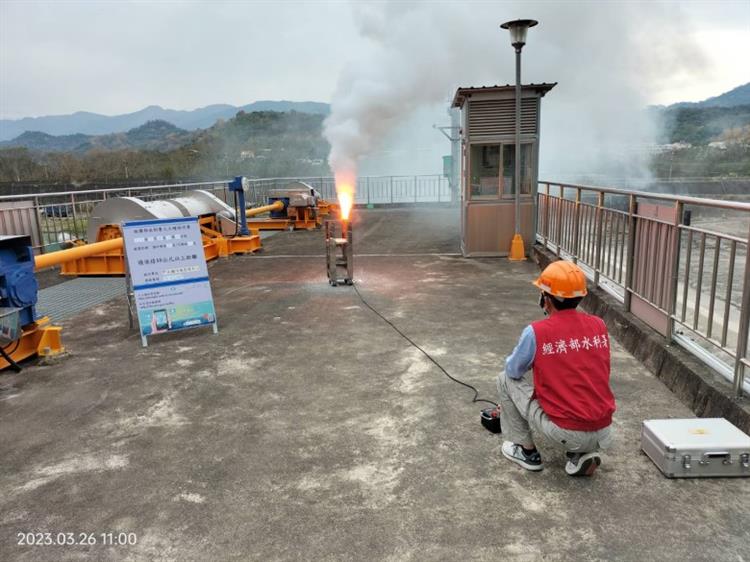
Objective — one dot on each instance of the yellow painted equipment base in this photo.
(227, 245)
(298, 218)
(112, 263)
(243, 244)
(269, 224)
(38, 338)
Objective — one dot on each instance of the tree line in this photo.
(257, 144)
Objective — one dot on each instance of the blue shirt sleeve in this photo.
(522, 358)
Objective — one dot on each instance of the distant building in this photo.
(312, 161)
(671, 147)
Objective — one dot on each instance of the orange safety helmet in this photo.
(562, 279)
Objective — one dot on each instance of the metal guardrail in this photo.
(697, 278)
(687, 277)
(370, 189)
(55, 218)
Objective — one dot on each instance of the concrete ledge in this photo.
(705, 392)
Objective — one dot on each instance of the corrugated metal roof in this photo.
(465, 92)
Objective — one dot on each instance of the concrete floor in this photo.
(308, 429)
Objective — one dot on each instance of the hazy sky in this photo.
(116, 57)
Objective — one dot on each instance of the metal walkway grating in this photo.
(68, 299)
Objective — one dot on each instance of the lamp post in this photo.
(518, 29)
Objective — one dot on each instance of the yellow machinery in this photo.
(23, 335)
(216, 219)
(38, 338)
(297, 206)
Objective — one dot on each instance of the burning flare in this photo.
(346, 182)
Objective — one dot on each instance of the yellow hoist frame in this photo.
(112, 261)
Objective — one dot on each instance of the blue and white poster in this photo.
(168, 274)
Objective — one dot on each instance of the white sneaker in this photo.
(515, 453)
(582, 464)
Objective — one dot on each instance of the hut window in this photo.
(527, 174)
(485, 171)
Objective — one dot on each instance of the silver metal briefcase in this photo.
(696, 447)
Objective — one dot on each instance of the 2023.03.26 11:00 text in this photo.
(76, 539)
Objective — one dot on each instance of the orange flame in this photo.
(345, 187)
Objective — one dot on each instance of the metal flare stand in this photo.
(339, 252)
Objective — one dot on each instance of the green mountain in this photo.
(737, 96)
(260, 143)
(154, 135)
(89, 123)
(36, 140)
(699, 123)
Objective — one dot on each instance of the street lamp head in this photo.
(518, 29)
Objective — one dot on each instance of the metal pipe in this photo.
(275, 206)
(546, 216)
(517, 156)
(701, 256)
(686, 281)
(712, 301)
(728, 297)
(744, 327)
(558, 224)
(674, 268)
(56, 258)
(180, 186)
(623, 244)
(699, 201)
(598, 255)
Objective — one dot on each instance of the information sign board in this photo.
(168, 275)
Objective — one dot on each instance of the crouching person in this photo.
(568, 399)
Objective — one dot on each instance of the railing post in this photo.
(415, 189)
(629, 251)
(391, 190)
(75, 215)
(558, 234)
(674, 267)
(37, 212)
(367, 186)
(546, 216)
(599, 227)
(742, 332)
(577, 226)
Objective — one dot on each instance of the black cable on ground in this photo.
(475, 398)
(7, 356)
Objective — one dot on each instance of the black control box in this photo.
(491, 419)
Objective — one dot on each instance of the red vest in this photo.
(571, 370)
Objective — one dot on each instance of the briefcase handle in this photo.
(709, 455)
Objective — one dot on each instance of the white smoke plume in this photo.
(606, 57)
